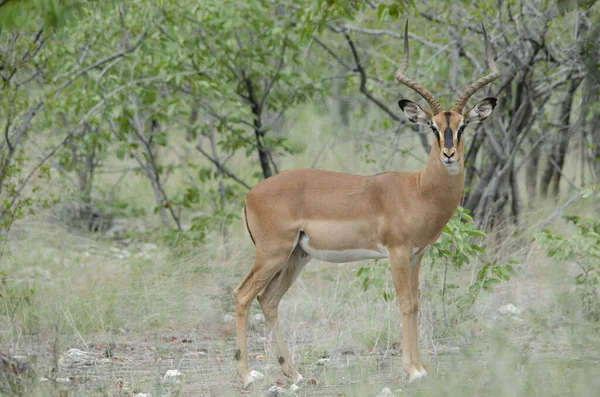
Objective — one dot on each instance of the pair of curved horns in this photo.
(460, 103)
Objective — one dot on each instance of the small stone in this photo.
(294, 388)
(63, 380)
(173, 373)
(259, 318)
(509, 309)
(149, 247)
(385, 392)
(75, 356)
(142, 395)
(323, 361)
(275, 391)
(228, 318)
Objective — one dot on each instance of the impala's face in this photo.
(448, 129)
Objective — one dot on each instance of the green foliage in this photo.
(458, 247)
(583, 249)
(395, 9)
(13, 204)
(29, 14)
(256, 70)
(459, 240)
(374, 275)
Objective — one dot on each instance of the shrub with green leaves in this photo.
(583, 249)
(460, 244)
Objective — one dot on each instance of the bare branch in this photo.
(382, 32)
(363, 79)
(222, 168)
(275, 76)
(332, 53)
(109, 58)
(29, 53)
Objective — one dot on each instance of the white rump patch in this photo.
(342, 256)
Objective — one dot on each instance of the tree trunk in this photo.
(263, 151)
(556, 155)
(531, 172)
(564, 134)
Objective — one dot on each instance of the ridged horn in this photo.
(460, 103)
(435, 105)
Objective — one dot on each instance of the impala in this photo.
(302, 214)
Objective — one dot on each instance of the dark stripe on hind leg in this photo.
(248, 226)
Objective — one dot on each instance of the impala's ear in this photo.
(481, 110)
(414, 112)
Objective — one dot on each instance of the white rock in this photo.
(294, 388)
(259, 318)
(385, 392)
(75, 356)
(172, 373)
(509, 309)
(149, 247)
(63, 380)
(142, 395)
(275, 391)
(228, 318)
(323, 361)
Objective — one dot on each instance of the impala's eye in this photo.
(435, 131)
(461, 129)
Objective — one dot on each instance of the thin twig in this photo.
(222, 168)
(363, 79)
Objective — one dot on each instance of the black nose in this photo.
(449, 155)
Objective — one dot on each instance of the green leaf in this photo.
(477, 248)
(160, 139)
(488, 285)
(483, 271)
(475, 233)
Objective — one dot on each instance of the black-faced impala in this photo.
(302, 214)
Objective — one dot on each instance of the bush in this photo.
(583, 249)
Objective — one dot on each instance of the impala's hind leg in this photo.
(267, 264)
(269, 302)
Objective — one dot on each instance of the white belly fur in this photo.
(344, 256)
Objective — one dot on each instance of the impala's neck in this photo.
(440, 184)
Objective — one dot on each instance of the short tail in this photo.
(245, 218)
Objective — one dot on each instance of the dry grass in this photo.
(142, 310)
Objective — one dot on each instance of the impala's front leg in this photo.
(405, 272)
